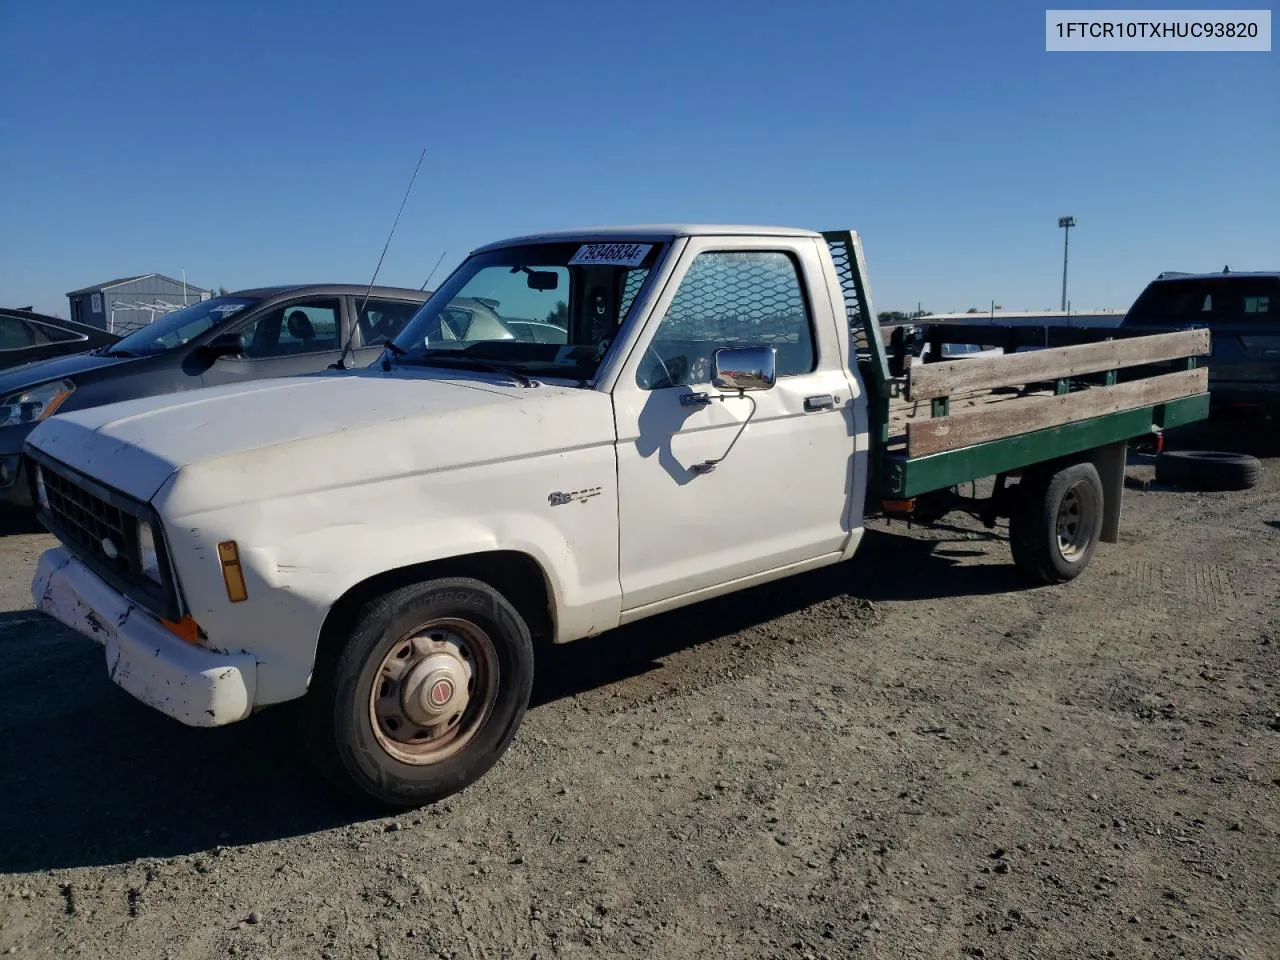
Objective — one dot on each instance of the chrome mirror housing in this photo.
(744, 368)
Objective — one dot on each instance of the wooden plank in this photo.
(1027, 415)
(931, 380)
(905, 478)
(902, 411)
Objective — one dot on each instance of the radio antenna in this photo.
(341, 364)
(433, 271)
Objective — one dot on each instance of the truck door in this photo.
(780, 498)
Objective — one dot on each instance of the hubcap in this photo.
(433, 691)
(1076, 515)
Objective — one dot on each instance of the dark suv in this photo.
(248, 335)
(1242, 312)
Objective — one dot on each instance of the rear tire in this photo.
(1207, 470)
(1056, 523)
(420, 694)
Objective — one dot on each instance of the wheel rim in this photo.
(1077, 516)
(433, 691)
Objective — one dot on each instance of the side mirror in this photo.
(225, 345)
(744, 368)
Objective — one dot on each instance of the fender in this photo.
(559, 508)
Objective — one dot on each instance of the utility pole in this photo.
(1066, 223)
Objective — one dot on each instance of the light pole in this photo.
(1066, 223)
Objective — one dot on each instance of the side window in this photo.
(58, 334)
(740, 298)
(307, 326)
(15, 334)
(381, 320)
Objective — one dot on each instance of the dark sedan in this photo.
(26, 336)
(248, 335)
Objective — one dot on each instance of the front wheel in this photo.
(1056, 523)
(422, 695)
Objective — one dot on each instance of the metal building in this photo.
(128, 303)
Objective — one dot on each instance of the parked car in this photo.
(248, 335)
(1242, 313)
(26, 336)
(477, 318)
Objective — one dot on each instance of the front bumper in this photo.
(199, 687)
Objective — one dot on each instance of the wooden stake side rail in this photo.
(1029, 414)
(937, 380)
(902, 477)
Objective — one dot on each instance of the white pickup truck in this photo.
(577, 431)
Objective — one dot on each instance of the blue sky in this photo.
(252, 143)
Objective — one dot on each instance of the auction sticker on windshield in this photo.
(610, 254)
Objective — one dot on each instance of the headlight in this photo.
(34, 404)
(147, 551)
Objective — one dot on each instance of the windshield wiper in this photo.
(113, 352)
(473, 363)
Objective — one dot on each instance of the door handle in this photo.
(823, 402)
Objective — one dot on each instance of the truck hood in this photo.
(136, 445)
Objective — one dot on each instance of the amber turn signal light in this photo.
(186, 629)
(232, 575)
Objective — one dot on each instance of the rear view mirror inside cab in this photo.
(539, 279)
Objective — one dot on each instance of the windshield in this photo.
(181, 326)
(548, 309)
(1208, 300)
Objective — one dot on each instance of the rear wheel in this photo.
(1056, 523)
(422, 694)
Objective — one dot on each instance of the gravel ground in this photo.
(906, 756)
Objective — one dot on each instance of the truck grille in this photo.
(92, 525)
(100, 526)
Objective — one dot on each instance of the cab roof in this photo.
(334, 289)
(658, 232)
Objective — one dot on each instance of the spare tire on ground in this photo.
(1207, 469)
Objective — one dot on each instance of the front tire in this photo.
(1056, 523)
(422, 694)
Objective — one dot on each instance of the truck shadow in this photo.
(878, 573)
(88, 776)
